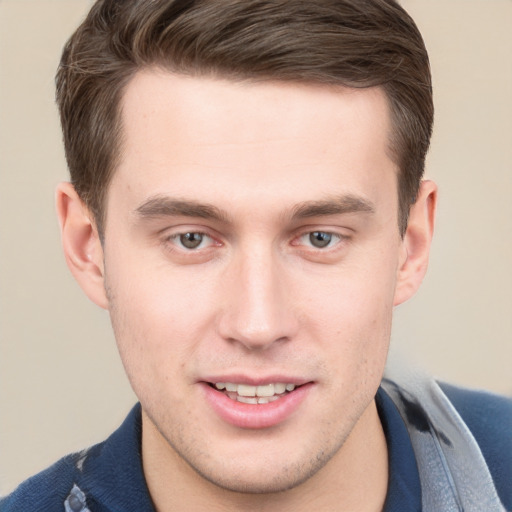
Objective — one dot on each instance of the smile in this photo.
(255, 394)
(255, 406)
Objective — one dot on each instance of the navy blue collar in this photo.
(113, 478)
(404, 488)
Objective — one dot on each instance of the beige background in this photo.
(61, 384)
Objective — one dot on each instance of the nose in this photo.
(257, 302)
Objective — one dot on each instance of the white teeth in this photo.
(267, 399)
(256, 400)
(280, 388)
(262, 394)
(244, 390)
(265, 391)
(247, 399)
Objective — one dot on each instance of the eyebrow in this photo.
(333, 206)
(164, 206)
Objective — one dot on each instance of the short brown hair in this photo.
(354, 43)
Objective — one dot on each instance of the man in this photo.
(247, 203)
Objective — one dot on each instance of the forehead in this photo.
(189, 135)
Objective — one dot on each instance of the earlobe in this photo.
(81, 243)
(416, 243)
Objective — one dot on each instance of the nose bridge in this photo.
(258, 310)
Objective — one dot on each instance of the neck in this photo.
(355, 478)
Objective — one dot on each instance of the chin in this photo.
(263, 483)
(263, 476)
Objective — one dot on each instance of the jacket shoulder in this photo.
(46, 490)
(489, 418)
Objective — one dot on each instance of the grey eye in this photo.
(191, 240)
(320, 239)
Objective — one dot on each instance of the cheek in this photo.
(155, 297)
(352, 297)
(158, 319)
(350, 312)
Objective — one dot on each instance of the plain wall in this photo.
(62, 386)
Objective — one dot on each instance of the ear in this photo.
(81, 243)
(416, 243)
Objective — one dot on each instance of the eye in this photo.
(320, 239)
(192, 240)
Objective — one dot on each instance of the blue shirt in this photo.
(109, 477)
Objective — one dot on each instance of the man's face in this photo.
(252, 239)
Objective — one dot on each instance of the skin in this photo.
(268, 164)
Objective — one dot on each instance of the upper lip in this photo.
(255, 380)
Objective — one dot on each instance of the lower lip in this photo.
(252, 416)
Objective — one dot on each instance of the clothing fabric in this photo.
(109, 478)
(454, 474)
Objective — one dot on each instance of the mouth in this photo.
(255, 405)
(254, 395)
